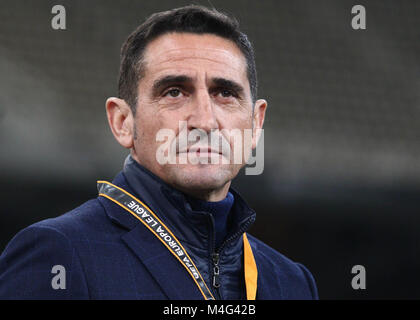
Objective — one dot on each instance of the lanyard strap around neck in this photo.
(251, 271)
(143, 213)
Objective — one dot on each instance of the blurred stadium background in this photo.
(341, 184)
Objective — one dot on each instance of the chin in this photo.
(201, 177)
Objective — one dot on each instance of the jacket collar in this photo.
(172, 207)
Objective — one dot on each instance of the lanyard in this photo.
(143, 213)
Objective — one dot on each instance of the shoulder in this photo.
(272, 257)
(88, 217)
(27, 263)
(61, 235)
(290, 274)
(67, 225)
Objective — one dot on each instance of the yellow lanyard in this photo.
(143, 213)
(251, 272)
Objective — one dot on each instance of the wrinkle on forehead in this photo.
(227, 61)
(180, 48)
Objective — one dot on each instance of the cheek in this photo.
(144, 130)
(150, 127)
(241, 122)
(239, 135)
(234, 117)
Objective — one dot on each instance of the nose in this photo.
(202, 114)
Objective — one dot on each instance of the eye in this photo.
(225, 93)
(174, 93)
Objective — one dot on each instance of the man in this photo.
(169, 226)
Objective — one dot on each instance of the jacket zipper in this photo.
(216, 271)
(216, 254)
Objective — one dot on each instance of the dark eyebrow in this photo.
(229, 84)
(169, 80)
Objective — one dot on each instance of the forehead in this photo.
(193, 53)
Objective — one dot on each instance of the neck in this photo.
(209, 195)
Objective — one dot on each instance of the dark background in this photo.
(341, 183)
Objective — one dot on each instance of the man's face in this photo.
(202, 81)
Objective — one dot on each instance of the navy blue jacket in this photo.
(109, 254)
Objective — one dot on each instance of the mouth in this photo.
(201, 151)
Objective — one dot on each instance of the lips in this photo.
(200, 150)
(208, 150)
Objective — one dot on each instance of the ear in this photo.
(121, 121)
(258, 120)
